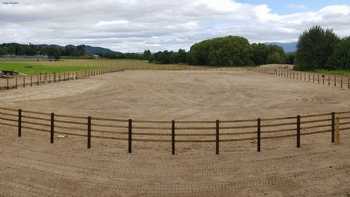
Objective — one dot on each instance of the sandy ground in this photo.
(30, 166)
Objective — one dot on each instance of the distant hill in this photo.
(287, 46)
(90, 50)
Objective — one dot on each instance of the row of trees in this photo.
(320, 48)
(224, 51)
(49, 50)
(56, 51)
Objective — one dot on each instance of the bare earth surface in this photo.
(30, 166)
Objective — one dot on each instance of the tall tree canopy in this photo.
(225, 51)
(315, 47)
(341, 55)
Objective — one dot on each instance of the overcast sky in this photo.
(135, 25)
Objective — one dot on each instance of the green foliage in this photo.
(315, 47)
(170, 57)
(225, 51)
(341, 56)
(268, 54)
(290, 58)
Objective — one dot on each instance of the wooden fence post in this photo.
(7, 83)
(173, 137)
(335, 80)
(89, 133)
(259, 135)
(130, 136)
(348, 83)
(298, 131)
(16, 84)
(341, 82)
(337, 131)
(31, 80)
(217, 137)
(333, 127)
(323, 80)
(19, 123)
(52, 130)
(24, 82)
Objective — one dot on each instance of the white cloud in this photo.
(134, 25)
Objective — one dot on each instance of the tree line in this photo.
(56, 51)
(320, 48)
(223, 51)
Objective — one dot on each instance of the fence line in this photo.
(47, 78)
(174, 132)
(339, 81)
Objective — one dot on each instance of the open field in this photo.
(30, 166)
(71, 65)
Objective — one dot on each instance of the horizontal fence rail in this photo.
(22, 81)
(175, 132)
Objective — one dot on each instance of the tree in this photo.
(268, 54)
(225, 51)
(290, 58)
(147, 55)
(315, 47)
(341, 55)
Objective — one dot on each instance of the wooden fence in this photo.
(46, 78)
(176, 132)
(322, 79)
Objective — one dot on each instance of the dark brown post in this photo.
(341, 82)
(24, 81)
(323, 80)
(130, 136)
(259, 135)
(298, 131)
(89, 133)
(19, 123)
(348, 83)
(313, 78)
(329, 81)
(7, 83)
(333, 127)
(38, 79)
(31, 80)
(16, 85)
(335, 80)
(217, 137)
(173, 137)
(52, 131)
(318, 78)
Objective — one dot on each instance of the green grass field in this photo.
(66, 65)
(334, 72)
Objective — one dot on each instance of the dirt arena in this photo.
(30, 166)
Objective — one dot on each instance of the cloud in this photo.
(134, 25)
